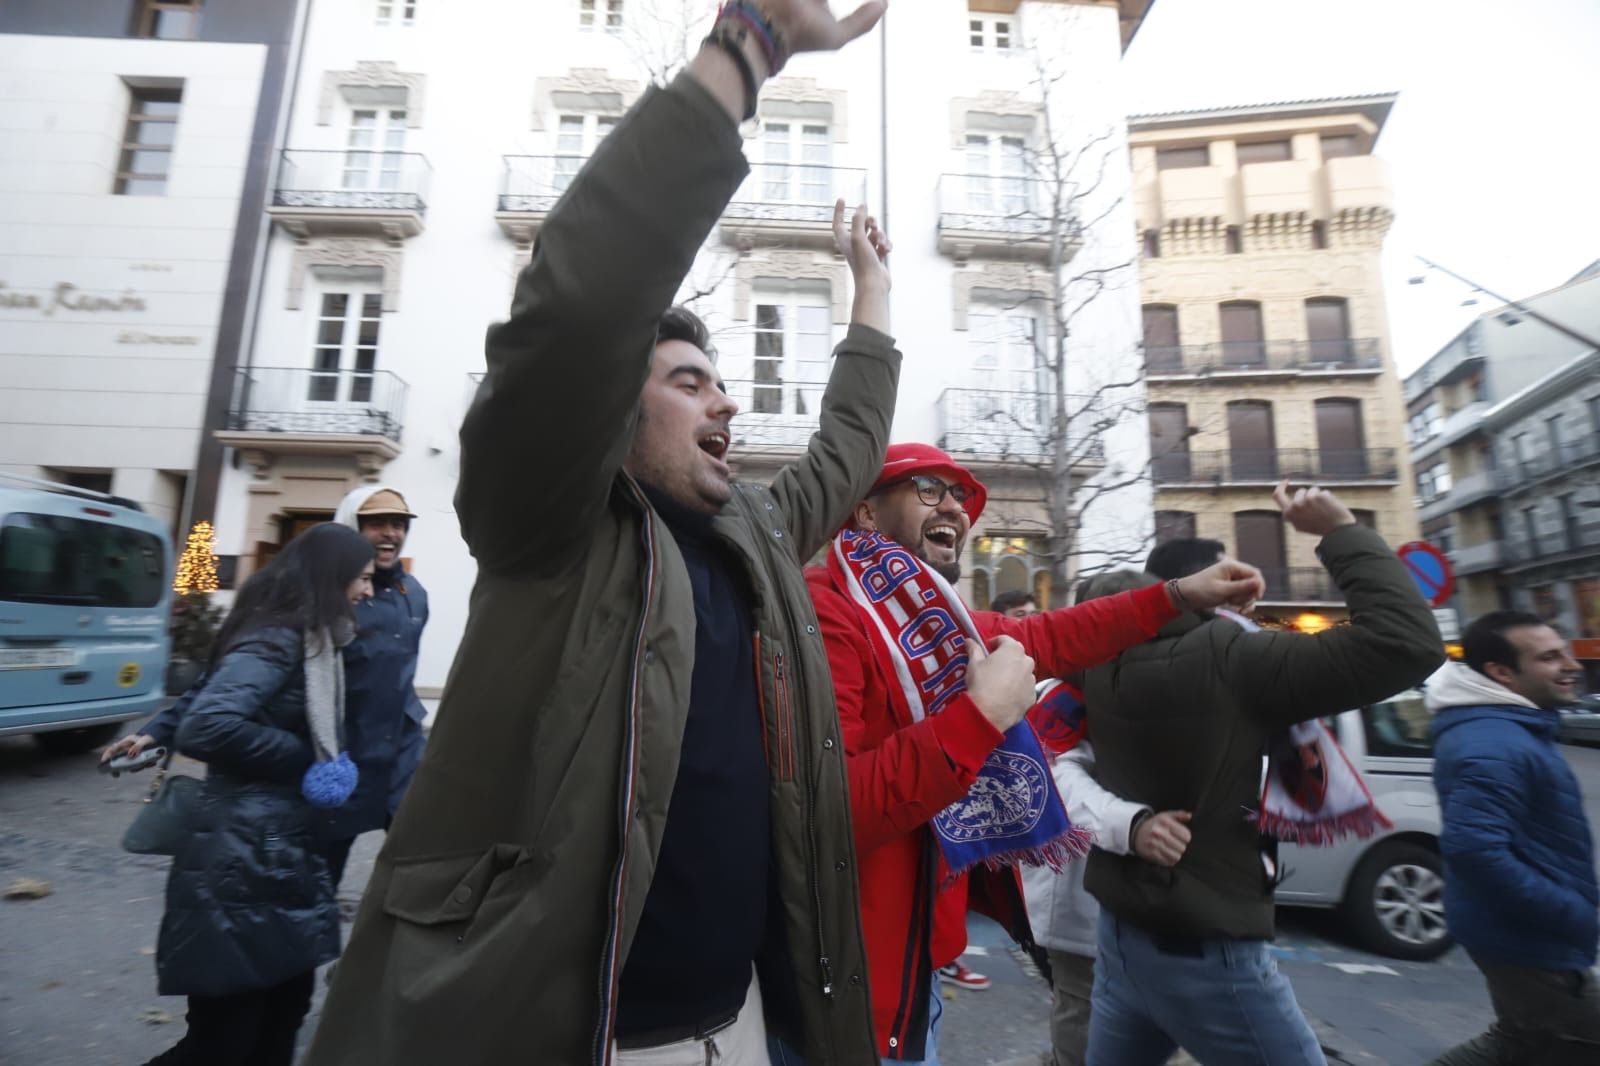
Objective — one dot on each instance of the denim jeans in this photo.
(783, 1055)
(1223, 1001)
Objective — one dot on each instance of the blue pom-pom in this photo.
(329, 784)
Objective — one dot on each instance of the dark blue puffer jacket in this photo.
(1519, 861)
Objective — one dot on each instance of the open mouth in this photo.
(715, 445)
(944, 535)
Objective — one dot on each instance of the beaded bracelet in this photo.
(730, 38)
(1176, 595)
(766, 34)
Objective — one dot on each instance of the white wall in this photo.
(119, 389)
(482, 62)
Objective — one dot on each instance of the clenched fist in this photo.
(1000, 680)
(1314, 511)
(1163, 837)
(1228, 583)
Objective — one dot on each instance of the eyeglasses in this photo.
(931, 491)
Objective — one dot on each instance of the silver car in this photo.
(1390, 887)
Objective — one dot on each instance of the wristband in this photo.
(1176, 595)
(765, 33)
(730, 38)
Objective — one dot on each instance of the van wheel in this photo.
(1395, 903)
(77, 741)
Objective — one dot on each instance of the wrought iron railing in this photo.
(302, 400)
(801, 193)
(1274, 464)
(1355, 353)
(1000, 422)
(1300, 584)
(1576, 538)
(1009, 207)
(773, 414)
(1569, 455)
(355, 179)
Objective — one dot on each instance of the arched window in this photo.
(1328, 330)
(1243, 344)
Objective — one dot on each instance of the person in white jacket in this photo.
(1064, 917)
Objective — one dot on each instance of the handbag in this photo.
(168, 815)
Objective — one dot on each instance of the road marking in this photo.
(1362, 967)
(976, 949)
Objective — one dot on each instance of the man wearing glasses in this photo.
(907, 761)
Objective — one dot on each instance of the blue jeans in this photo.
(1224, 1002)
(783, 1055)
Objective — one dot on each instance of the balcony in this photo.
(1358, 184)
(1003, 425)
(1194, 192)
(1471, 489)
(1331, 466)
(1477, 558)
(1577, 541)
(790, 204)
(1357, 355)
(1300, 585)
(1458, 426)
(1002, 218)
(530, 185)
(1570, 457)
(301, 411)
(360, 193)
(1281, 188)
(776, 418)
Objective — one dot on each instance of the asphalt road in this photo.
(77, 976)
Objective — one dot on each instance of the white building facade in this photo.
(123, 165)
(426, 142)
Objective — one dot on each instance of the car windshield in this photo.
(53, 559)
(1399, 727)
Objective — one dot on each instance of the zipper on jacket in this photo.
(611, 969)
(785, 720)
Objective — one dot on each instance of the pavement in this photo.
(77, 975)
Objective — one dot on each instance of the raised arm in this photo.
(817, 492)
(565, 370)
(1391, 643)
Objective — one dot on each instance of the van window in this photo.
(53, 559)
(1399, 727)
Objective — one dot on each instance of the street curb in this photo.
(1335, 1046)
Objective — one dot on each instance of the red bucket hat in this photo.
(904, 460)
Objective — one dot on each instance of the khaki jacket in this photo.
(504, 901)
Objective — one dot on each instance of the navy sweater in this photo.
(705, 916)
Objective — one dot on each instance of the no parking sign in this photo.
(1430, 569)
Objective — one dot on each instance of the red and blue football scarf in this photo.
(919, 628)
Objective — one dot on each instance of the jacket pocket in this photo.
(777, 726)
(440, 889)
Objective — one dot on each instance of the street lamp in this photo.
(1566, 331)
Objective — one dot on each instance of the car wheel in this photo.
(1395, 902)
(76, 741)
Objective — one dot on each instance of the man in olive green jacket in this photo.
(1180, 723)
(511, 888)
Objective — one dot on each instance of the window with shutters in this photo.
(1263, 152)
(1258, 538)
(1169, 442)
(1328, 330)
(1174, 525)
(1242, 342)
(1341, 442)
(1182, 158)
(1161, 348)
(1252, 451)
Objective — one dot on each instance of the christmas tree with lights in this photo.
(197, 567)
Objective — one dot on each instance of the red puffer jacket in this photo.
(904, 773)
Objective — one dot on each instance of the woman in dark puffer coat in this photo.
(250, 906)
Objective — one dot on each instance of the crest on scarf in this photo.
(1313, 794)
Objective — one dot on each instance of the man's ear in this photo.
(1500, 673)
(866, 515)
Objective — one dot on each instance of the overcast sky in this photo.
(1494, 144)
